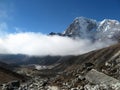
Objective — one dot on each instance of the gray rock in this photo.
(96, 77)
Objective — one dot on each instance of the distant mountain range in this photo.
(19, 59)
(86, 28)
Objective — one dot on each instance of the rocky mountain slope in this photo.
(7, 75)
(79, 71)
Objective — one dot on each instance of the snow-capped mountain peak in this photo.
(107, 24)
(108, 29)
(80, 27)
(88, 28)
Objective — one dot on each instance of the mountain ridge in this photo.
(86, 28)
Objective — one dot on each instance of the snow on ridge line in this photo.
(88, 28)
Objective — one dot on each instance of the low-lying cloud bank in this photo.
(40, 45)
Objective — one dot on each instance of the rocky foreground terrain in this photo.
(96, 70)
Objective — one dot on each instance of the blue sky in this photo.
(52, 15)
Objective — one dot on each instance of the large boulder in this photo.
(97, 77)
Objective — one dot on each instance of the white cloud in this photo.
(38, 44)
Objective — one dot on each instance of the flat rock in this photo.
(96, 77)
